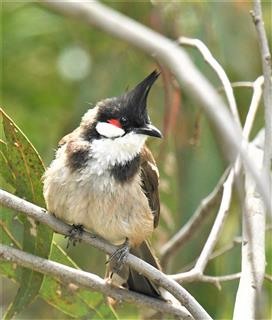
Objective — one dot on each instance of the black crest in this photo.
(135, 99)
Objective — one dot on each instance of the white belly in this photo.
(102, 205)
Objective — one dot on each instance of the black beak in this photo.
(148, 130)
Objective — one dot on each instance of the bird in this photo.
(104, 179)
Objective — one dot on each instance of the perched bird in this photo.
(105, 179)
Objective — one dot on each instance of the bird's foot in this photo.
(118, 258)
(75, 231)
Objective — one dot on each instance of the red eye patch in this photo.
(115, 122)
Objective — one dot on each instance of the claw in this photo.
(119, 256)
(75, 231)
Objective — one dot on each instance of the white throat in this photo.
(118, 151)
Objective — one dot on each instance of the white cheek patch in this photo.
(109, 130)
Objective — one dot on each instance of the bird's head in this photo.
(127, 114)
(118, 127)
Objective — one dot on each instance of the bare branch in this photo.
(88, 280)
(208, 57)
(40, 214)
(217, 253)
(218, 279)
(178, 61)
(221, 251)
(188, 230)
(226, 248)
(253, 248)
(218, 224)
(203, 259)
(207, 203)
(255, 101)
(215, 280)
(236, 241)
(242, 84)
(267, 92)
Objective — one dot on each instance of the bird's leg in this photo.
(118, 258)
(75, 231)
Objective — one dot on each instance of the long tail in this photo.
(134, 281)
(139, 283)
(131, 279)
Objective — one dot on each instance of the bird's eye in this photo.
(124, 120)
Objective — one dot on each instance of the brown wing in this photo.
(150, 182)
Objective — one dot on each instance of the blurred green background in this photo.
(55, 68)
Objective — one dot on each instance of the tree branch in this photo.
(254, 104)
(178, 62)
(188, 230)
(40, 214)
(267, 92)
(208, 57)
(253, 248)
(226, 248)
(197, 271)
(87, 280)
(216, 280)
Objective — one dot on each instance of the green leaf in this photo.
(7, 175)
(23, 171)
(10, 270)
(74, 301)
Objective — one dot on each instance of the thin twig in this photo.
(176, 241)
(253, 250)
(238, 84)
(208, 57)
(215, 280)
(88, 280)
(242, 84)
(217, 226)
(203, 259)
(226, 248)
(188, 230)
(206, 204)
(11, 201)
(267, 92)
(255, 100)
(177, 60)
(217, 253)
(221, 251)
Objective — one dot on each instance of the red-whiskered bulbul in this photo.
(105, 179)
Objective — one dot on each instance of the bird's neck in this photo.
(122, 151)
